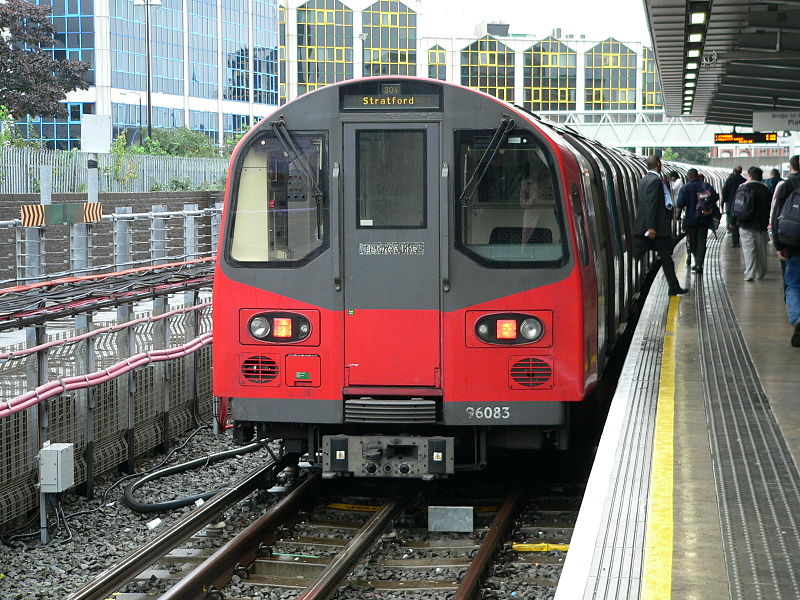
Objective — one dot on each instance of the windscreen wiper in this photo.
(296, 157)
(500, 135)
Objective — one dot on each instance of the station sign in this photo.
(757, 137)
(776, 120)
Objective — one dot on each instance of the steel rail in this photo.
(470, 584)
(216, 570)
(331, 577)
(112, 579)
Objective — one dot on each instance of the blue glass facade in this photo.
(127, 45)
(74, 24)
(240, 65)
(58, 134)
(204, 121)
(134, 116)
(234, 124)
(265, 51)
(203, 48)
(235, 50)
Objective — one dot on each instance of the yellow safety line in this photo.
(353, 507)
(657, 570)
(543, 547)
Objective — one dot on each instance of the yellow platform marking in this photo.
(543, 547)
(657, 570)
(353, 507)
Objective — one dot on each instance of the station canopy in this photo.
(722, 60)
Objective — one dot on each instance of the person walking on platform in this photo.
(751, 215)
(733, 182)
(675, 184)
(698, 201)
(652, 225)
(786, 239)
(773, 181)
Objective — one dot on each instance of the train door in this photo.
(391, 254)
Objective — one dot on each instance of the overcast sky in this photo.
(597, 19)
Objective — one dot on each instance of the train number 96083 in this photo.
(488, 412)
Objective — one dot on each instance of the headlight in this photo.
(531, 329)
(259, 327)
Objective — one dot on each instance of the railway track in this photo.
(318, 543)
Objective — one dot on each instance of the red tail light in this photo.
(506, 329)
(282, 327)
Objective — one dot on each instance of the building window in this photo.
(437, 63)
(550, 76)
(265, 52)
(488, 65)
(390, 39)
(133, 119)
(203, 48)
(324, 44)
(57, 134)
(651, 89)
(282, 54)
(233, 125)
(235, 50)
(204, 121)
(127, 45)
(166, 37)
(74, 25)
(610, 75)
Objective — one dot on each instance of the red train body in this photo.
(438, 274)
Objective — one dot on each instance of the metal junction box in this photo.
(57, 467)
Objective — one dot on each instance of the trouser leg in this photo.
(664, 248)
(761, 254)
(701, 235)
(792, 281)
(749, 253)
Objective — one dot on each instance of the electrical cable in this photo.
(143, 507)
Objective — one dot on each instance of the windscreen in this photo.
(279, 212)
(508, 209)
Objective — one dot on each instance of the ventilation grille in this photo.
(259, 369)
(405, 410)
(532, 372)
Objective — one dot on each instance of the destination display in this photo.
(758, 137)
(395, 96)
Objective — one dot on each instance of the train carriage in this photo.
(412, 274)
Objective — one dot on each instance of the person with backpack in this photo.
(773, 180)
(698, 201)
(750, 213)
(733, 182)
(785, 226)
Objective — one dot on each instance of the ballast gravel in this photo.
(33, 571)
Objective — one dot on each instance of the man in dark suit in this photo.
(652, 226)
(732, 184)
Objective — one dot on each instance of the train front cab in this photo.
(403, 289)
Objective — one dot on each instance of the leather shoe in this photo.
(796, 335)
(678, 292)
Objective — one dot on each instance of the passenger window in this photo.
(279, 212)
(508, 208)
(390, 179)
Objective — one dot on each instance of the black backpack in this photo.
(744, 203)
(788, 223)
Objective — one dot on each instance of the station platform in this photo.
(694, 493)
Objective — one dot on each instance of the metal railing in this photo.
(122, 240)
(19, 172)
(114, 387)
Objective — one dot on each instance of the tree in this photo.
(690, 155)
(31, 80)
(180, 141)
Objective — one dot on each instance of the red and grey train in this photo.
(412, 274)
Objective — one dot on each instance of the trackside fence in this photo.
(19, 172)
(116, 388)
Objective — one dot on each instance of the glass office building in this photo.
(218, 65)
(214, 65)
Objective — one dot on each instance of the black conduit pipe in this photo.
(143, 507)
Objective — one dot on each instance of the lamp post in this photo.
(147, 4)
